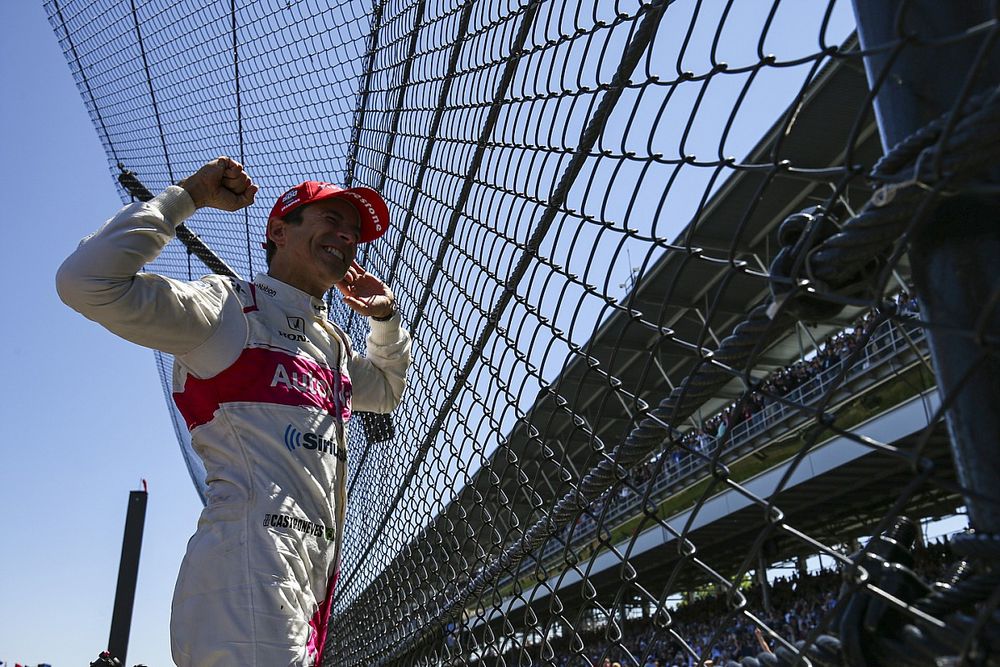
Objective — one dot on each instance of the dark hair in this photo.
(292, 218)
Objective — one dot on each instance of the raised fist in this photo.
(220, 184)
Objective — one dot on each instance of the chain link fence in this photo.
(668, 328)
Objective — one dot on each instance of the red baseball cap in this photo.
(371, 207)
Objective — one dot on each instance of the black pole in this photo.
(194, 244)
(765, 585)
(128, 571)
(955, 256)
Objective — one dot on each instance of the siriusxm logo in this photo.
(294, 439)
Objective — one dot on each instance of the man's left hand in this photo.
(365, 294)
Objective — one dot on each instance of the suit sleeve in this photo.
(102, 281)
(379, 378)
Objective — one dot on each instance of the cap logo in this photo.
(371, 210)
(288, 200)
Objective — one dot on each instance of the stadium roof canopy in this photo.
(738, 225)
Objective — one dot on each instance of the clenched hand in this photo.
(220, 184)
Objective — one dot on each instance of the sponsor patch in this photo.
(295, 439)
(270, 291)
(299, 525)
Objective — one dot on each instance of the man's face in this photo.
(316, 253)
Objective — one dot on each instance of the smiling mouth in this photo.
(333, 251)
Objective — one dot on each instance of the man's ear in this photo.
(276, 231)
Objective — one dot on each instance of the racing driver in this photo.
(266, 384)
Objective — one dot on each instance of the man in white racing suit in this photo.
(267, 385)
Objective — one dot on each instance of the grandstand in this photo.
(575, 459)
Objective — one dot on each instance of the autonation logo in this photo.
(295, 439)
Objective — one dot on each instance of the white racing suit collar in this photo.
(270, 287)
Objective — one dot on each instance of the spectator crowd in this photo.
(701, 442)
(835, 350)
(712, 631)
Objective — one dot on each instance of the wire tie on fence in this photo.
(776, 304)
(885, 194)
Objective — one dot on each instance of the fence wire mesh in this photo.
(631, 398)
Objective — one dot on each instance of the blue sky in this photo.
(82, 415)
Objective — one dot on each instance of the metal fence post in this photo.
(956, 255)
(128, 572)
